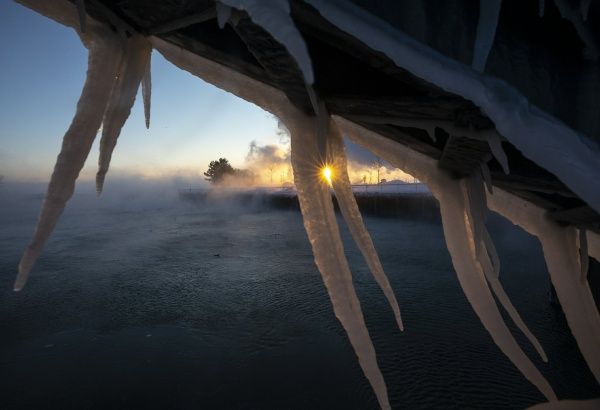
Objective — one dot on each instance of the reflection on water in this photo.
(167, 305)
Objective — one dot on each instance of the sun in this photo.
(327, 174)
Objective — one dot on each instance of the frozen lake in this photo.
(144, 301)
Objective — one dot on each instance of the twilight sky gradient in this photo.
(42, 71)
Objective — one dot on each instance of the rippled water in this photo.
(167, 305)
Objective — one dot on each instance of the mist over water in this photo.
(141, 300)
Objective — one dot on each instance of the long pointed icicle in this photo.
(147, 90)
(469, 272)
(324, 236)
(104, 56)
(560, 251)
(489, 11)
(131, 72)
(349, 208)
(487, 256)
(473, 282)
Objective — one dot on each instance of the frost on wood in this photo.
(105, 52)
(562, 259)
(132, 68)
(489, 11)
(274, 17)
(349, 208)
(459, 240)
(566, 153)
(324, 236)
(147, 90)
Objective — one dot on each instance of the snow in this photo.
(274, 17)
(489, 11)
(105, 53)
(136, 57)
(566, 153)
(349, 209)
(147, 91)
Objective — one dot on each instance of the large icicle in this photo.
(349, 208)
(314, 197)
(274, 17)
(147, 90)
(131, 71)
(461, 246)
(566, 153)
(562, 259)
(105, 52)
(489, 11)
(459, 241)
(323, 233)
(485, 251)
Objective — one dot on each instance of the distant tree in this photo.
(217, 170)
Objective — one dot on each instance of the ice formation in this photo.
(459, 239)
(274, 17)
(147, 90)
(489, 11)
(349, 208)
(562, 259)
(105, 53)
(81, 14)
(132, 69)
(577, 17)
(117, 65)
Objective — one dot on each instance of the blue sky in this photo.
(42, 70)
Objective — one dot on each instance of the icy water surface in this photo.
(159, 304)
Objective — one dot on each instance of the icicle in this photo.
(459, 240)
(131, 71)
(497, 151)
(593, 244)
(585, 8)
(560, 251)
(473, 282)
(147, 90)
(223, 14)
(82, 14)
(578, 18)
(486, 253)
(322, 229)
(489, 11)
(592, 404)
(349, 208)
(584, 258)
(314, 197)
(542, 7)
(487, 178)
(274, 17)
(104, 55)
